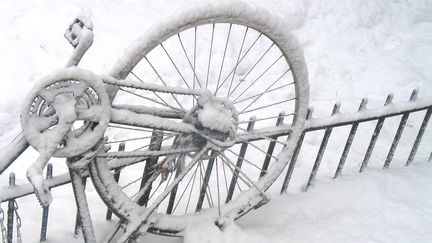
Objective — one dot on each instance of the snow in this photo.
(216, 114)
(353, 49)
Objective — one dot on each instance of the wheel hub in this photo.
(215, 117)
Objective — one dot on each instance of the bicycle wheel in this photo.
(238, 52)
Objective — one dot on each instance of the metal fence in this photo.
(10, 222)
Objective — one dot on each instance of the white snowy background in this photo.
(353, 48)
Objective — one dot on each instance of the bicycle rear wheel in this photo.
(236, 51)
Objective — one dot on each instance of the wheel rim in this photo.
(220, 81)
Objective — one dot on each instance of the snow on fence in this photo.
(10, 219)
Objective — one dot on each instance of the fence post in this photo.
(271, 147)
(349, 141)
(295, 155)
(322, 148)
(10, 211)
(239, 163)
(117, 171)
(45, 211)
(375, 135)
(206, 180)
(419, 136)
(155, 144)
(399, 131)
(77, 217)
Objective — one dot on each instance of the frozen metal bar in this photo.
(78, 186)
(45, 210)
(322, 148)
(349, 141)
(419, 136)
(78, 223)
(271, 147)
(206, 180)
(239, 163)
(117, 172)
(12, 151)
(399, 131)
(375, 135)
(396, 140)
(10, 211)
(155, 144)
(296, 152)
(173, 195)
(343, 119)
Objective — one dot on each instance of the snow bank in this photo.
(353, 49)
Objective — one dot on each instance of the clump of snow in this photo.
(215, 114)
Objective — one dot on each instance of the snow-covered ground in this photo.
(353, 48)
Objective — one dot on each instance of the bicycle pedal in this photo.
(76, 29)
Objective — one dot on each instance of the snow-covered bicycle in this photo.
(189, 96)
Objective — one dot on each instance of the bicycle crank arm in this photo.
(80, 36)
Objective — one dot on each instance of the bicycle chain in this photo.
(18, 223)
(142, 86)
(3, 228)
(154, 88)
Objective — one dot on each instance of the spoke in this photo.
(143, 189)
(225, 177)
(266, 106)
(130, 128)
(211, 47)
(150, 99)
(238, 58)
(175, 66)
(169, 179)
(247, 161)
(161, 79)
(128, 139)
(263, 93)
(260, 149)
(208, 195)
(262, 74)
(233, 172)
(191, 190)
(160, 98)
(253, 67)
(241, 59)
(151, 143)
(189, 61)
(138, 179)
(184, 191)
(154, 192)
(248, 181)
(223, 59)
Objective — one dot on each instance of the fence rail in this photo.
(337, 119)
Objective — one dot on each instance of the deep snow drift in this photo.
(353, 49)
